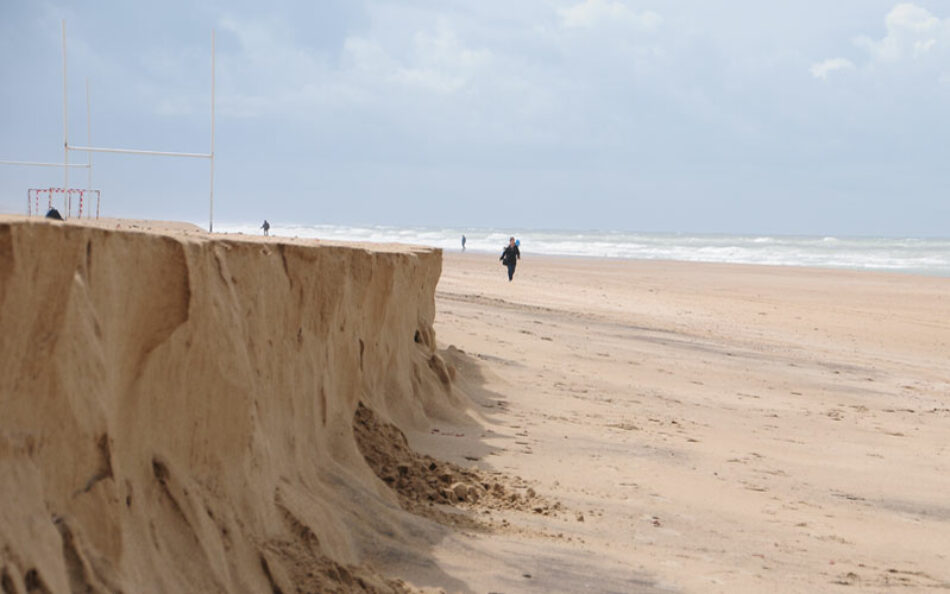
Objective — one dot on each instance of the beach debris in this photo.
(848, 579)
(461, 491)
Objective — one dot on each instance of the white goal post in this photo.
(90, 149)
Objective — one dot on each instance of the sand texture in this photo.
(717, 428)
(176, 411)
(181, 412)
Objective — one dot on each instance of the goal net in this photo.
(40, 200)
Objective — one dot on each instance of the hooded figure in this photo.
(510, 257)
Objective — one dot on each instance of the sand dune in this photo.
(176, 410)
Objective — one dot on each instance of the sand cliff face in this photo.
(176, 411)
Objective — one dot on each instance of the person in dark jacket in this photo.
(510, 257)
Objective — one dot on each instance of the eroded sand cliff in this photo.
(176, 409)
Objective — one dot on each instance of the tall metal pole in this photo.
(88, 137)
(211, 198)
(65, 130)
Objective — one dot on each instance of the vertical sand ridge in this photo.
(176, 411)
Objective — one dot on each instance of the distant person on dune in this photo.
(510, 257)
(265, 227)
(463, 243)
(52, 213)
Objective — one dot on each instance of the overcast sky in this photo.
(804, 116)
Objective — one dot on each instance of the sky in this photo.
(740, 116)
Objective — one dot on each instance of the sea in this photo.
(914, 255)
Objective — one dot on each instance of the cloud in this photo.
(488, 76)
(593, 13)
(276, 73)
(440, 62)
(823, 69)
(912, 32)
(915, 41)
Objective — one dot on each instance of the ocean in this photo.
(927, 256)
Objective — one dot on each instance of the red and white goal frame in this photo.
(35, 202)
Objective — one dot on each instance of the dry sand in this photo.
(177, 409)
(182, 412)
(720, 428)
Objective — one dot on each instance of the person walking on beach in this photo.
(265, 227)
(463, 243)
(510, 257)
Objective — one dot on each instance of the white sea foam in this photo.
(908, 254)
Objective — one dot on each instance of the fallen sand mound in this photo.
(425, 485)
(176, 409)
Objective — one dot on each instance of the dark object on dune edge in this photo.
(52, 213)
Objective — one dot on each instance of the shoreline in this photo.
(917, 256)
(661, 261)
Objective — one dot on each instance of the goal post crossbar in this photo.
(43, 164)
(93, 149)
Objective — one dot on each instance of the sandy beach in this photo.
(182, 411)
(718, 428)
